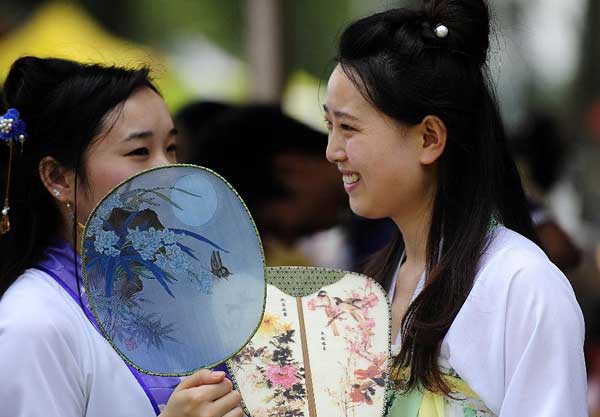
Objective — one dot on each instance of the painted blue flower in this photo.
(145, 242)
(107, 206)
(168, 237)
(105, 241)
(95, 226)
(178, 258)
(140, 252)
(203, 281)
(162, 261)
(174, 259)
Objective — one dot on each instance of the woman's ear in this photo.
(58, 180)
(434, 134)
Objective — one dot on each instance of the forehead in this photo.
(143, 111)
(342, 94)
(143, 108)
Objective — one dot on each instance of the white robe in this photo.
(54, 363)
(518, 339)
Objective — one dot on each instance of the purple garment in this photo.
(59, 262)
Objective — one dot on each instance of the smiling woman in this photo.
(87, 128)
(484, 324)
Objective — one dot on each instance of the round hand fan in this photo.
(174, 270)
(322, 348)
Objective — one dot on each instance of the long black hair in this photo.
(65, 106)
(408, 72)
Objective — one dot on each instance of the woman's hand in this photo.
(204, 394)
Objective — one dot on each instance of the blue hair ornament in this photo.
(12, 129)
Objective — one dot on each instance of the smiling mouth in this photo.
(350, 178)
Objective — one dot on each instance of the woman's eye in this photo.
(347, 127)
(139, 152)
(328, 124)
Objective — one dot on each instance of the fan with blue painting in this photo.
(174, 270)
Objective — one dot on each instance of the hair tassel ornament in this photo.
(12, 129)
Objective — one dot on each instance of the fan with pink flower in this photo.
(322, 348)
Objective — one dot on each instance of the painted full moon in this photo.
(197, 199)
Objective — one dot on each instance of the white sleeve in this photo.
(543, 335)
(40, 370)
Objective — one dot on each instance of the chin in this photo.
(365, 210)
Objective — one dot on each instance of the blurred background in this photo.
(249, 76)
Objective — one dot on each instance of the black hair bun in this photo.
(468, 23)
(31, 79)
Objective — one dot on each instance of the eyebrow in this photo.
(339, 114)
(146, 134)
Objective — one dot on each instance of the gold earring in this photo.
(79, 225)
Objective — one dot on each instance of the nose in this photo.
(162, 158)
(335, 151)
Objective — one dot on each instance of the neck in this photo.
(67, 234)
(414, 228)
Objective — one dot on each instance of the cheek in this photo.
(373, 160)
(359, 155)
(102, 177)
(109, 173)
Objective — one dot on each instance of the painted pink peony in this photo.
(369, 373)
(368, 324)
(370, 301)
(355, 347)
(356, 395)
(366, 330)
(283, 376)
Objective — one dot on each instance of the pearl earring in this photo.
(68, 205)
(56, 192)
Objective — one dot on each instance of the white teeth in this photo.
(350, 178)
